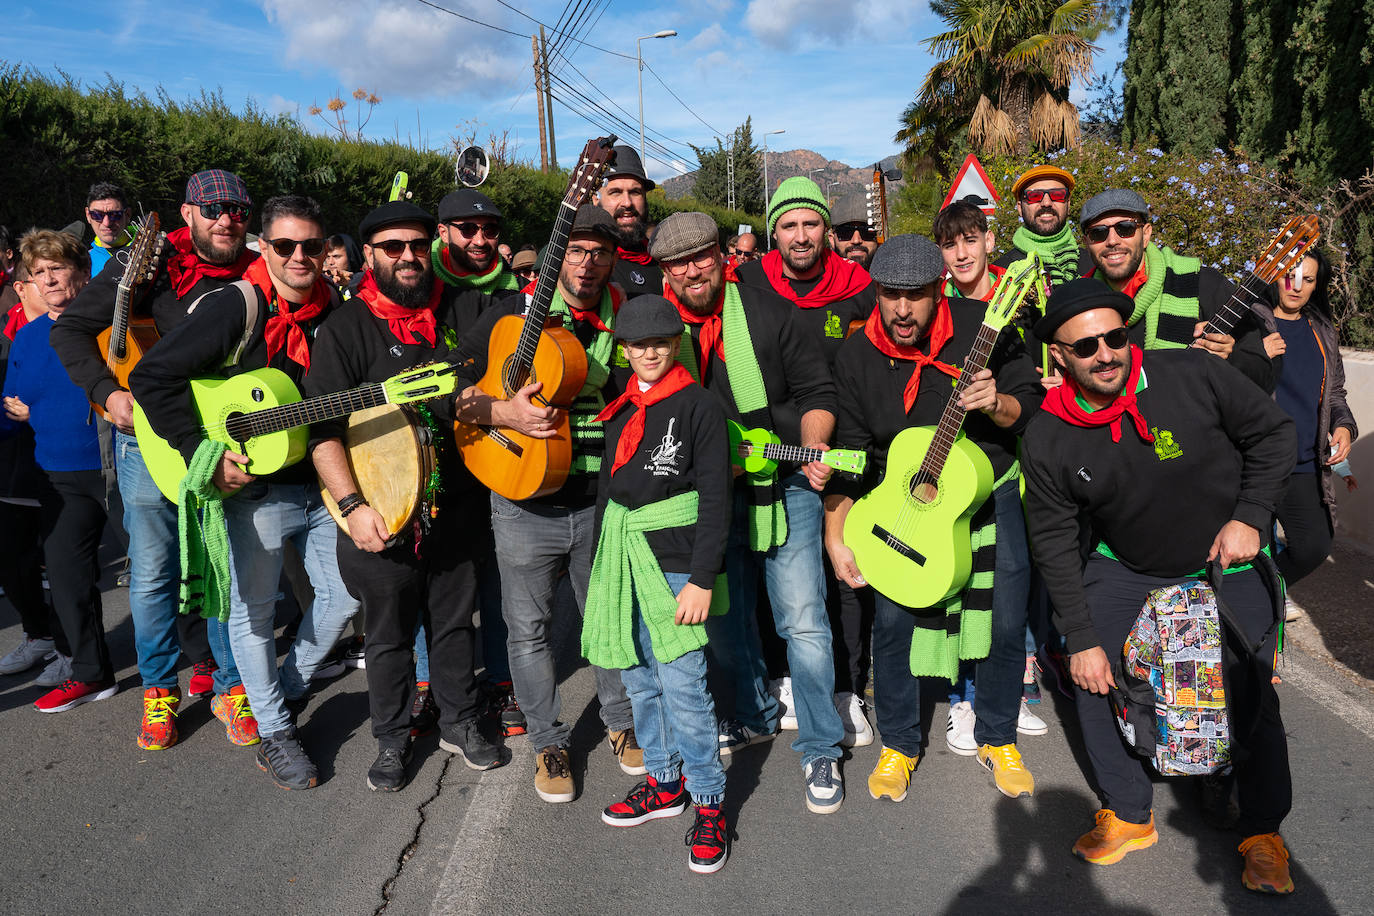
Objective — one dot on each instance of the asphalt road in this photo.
(92, 824)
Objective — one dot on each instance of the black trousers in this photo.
(21, 576)
(398, 589)
(851, 622)
(72, 519)
(1306, 527)
(1115, 596)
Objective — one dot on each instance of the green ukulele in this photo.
(260, 414)
(910, 535)
(758, 451)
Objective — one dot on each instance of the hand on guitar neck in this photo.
(521, 413)
(1219, 344)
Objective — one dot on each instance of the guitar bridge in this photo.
(501, 439)
(898, 545)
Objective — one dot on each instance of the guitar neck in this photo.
(776, 451)
(302, 413)
(952, 419)
(1230, 314)
(523, 359)
(119, 325)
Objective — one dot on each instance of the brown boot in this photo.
(627, 751)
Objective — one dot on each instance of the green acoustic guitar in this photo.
(758, 451)
(910, 535)
(260, 414)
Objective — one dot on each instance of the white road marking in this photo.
(1319, 681)
(461, 889)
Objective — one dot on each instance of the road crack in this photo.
(409, 850)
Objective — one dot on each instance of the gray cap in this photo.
(1112, 200)
(647, 316)
(907, 262)
(627, 165)
(591, 218)
(852, 208)
(465, 203)
(682, 234)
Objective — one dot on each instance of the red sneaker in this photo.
(74, 693)
(646, 802)
(708, 841)
(159, 730)
(233, 710)
(202, 682)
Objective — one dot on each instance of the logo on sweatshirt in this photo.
(832, 326)
(1165, 446)
(663, 459)
(396, 351)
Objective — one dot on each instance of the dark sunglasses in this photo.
(99, 216)
(1124, 230)
(284, 248)
(237, 212)
(1058, 195)
(1086, 347)
(846, 232)
(394, 247)
(468, 230)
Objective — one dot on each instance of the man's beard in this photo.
(408, 296)
(1058, 224)
(858, 254)
(801, 266)
(1129, 266)
(633, 235)
(205, 245)
(1084, 378)
(704, 301)
(464, 262)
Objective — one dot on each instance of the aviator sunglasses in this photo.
(1086, 347)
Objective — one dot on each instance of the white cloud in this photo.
(784, 24)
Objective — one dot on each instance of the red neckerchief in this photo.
(1133, 285)
(1062, 401)
(711, 341)
(496, 264)
(634, 257)
(592, 315)
(840, 279)
(941, 330)
(676, 379)
(285, 326)
(186, 268)
(404, 322)
(15, 319)
(997, 274)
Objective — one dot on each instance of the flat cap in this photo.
(1038, 172)
(907, 262)
(1112, 200)
(523, 260)
(217, 186)
(394, 213)
(1075, 298)
(628, 165)
(647, 316)
(683, 234)
(464, 203)
(591, 218)
(852, 208)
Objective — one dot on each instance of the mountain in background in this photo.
(835, 178)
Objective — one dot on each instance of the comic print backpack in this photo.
(1171, 701)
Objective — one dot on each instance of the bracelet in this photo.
(352, 506)
(350, 502)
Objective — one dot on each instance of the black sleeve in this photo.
(471, 355)
(73, 335)
(850, 429)
(337, 363)
(803, 362)
(1266, 437)
(714, 482)
(1017, 376)
(603, 485)
(1214, 291)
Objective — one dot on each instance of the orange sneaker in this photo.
(1109, 841)
(233, 710)
(1266, 864)
(159, 730)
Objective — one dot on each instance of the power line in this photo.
(679, 101)
(531, 19)
(623, 126)
(623, 111)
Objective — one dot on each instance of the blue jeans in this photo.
(896, 691)
(532, 543)
(261, 519)
(155, 576)
(999, 676)
(675, 720)
(795, 578)
(421, 655)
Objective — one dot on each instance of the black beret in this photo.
(394, 213)
(1075, 298)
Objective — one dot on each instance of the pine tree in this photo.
(712, 177)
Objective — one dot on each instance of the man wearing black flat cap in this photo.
(466, 255)
(1163, 460)
(401, 317)
(624, 197)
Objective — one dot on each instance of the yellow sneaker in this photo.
(1008, 771)
(892, 775)
(1111, 838)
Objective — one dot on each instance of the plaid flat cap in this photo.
(683, 233)
(217, 186)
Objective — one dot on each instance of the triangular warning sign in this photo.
(973, 181)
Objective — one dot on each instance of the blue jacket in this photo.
(64, 426)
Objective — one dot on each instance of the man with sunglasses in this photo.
(537, 538)
(204, 255)
(1160, 462)
(1042, 196)
(852, 234)
(268, 318)
(625, 197)
(466, 253)
(1174, 295)
(107, 211)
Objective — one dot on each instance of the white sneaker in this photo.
(824, 785)
(1291, 610)
(1028, 723)
(58, 672)
(857, 731)
(28, 653)
(959, 729)
(787, 708)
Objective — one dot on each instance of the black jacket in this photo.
(828, 324)
(637, 279)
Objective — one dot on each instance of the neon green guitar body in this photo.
(916, 552)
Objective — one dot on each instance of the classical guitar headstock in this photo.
(1288, 247)
(597, 156)
(1022, 278)
(143, 253)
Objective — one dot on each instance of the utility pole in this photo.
(548, 97)
(539, 103)
(730, 176)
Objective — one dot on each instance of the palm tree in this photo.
(1005, 67)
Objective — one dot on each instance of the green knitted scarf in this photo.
(497, 277)
(203, 537)
(1155, 299)
(1058, 252)
(626, 572)
(588, 437)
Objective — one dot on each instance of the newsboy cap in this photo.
(683, 234)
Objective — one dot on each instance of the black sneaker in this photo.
(388, 771)
(1217, 799)
(707, 841)
(467, 741)
(646, 802)
(424, 715)
(281, 757)
(506, 710)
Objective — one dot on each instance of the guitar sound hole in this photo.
(235, 426)
(924, 492)
(510, 379)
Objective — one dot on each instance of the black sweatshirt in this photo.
(74, 334)
(828, 324)
(637, 279)
(1222, 451)
(870, 386)
(685, 447)
(197, 348)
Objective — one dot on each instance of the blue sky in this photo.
(834, 74)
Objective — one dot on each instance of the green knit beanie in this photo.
(794, 193)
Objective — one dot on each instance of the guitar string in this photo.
(300, 413)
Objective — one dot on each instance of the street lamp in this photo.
(768, 237)
(639, 54)
(810, 172)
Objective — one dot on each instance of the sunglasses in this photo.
(1058, 195)
(468, 230)
(1086, 347)
(100, 216)
(395, 247)
(284, 248)
(237, 212)
(846, 232)
(1124, 230)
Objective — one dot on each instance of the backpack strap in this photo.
(251, 313)
(1273, 583)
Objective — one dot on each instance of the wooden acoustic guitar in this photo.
(126, 339)
(530, 349)
(1285, 252)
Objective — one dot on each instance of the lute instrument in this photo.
(127, 338)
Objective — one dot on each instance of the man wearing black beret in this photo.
(1164, 460)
